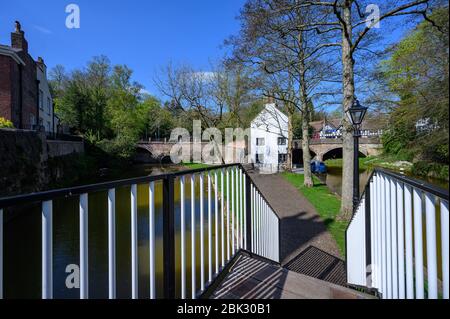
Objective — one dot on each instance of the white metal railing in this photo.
(383, 249)
(236, 217)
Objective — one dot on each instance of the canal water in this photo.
(333, 179)
(22, 251)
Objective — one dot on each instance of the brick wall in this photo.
(5, 87)
(11, 96)
(29, 90)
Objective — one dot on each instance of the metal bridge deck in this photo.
(255, 278)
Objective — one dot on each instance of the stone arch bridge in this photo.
(323, 149)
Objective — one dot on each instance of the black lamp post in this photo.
(356, 115)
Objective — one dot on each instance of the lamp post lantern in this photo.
(356, 116)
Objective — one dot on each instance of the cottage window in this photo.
(260, 141)
(49, 106)
(282, 141)
(259, 158)
(282, 158)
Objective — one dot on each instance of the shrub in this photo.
(4, 123)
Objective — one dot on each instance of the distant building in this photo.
(269, 139)
(332, 128)
(46, 114)
(24, 92)
(426, 125)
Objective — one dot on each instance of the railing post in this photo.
(248, 212)
(369, 271)
(169, 236)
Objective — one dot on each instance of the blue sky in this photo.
(145, 35)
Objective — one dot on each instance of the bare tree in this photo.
(355, 23)
(293, 60)
(217, 97)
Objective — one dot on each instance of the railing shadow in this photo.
(297, 232)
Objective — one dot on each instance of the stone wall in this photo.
(24, 157)
(63, 148)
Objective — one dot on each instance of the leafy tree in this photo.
(417, 73)
(102, 103)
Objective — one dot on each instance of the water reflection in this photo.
(23, 243)
(333, 179)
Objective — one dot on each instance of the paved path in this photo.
(301, 225)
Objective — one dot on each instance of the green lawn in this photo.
(195, 165)
(326, 204)
(371, 162)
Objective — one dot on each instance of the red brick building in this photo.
(18, 82)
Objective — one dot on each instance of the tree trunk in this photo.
(290, 139)
(349, 94)
(308, 182)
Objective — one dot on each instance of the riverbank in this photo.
(432, 172)
(326, 203)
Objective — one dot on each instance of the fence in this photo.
(241, 219)
(398, 239)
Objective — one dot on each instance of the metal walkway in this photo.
(319, 264)
(252, 277)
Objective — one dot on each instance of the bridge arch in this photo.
(144, 154)
(337, 152)
(297, 156)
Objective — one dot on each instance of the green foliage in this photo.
(102, 103)
(297, 126)
(4, 123)
(160, 121)
(417, 73)
(427, 169)
(327, 205)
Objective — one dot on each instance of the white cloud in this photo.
(42, 29)
(144, 91)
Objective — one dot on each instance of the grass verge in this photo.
(326, 204)
(195, 165)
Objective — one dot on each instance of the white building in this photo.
(46, 118)
(269, 137)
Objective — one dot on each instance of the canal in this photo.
(333, 179)
(22, 251)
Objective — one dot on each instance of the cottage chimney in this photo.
(18, 40)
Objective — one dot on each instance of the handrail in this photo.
(414, 182)
(417, 183)
(251, 224)
(78, 190)
(390, 259)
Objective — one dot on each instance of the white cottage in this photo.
(269, 137)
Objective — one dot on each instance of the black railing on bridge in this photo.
(233, 216)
